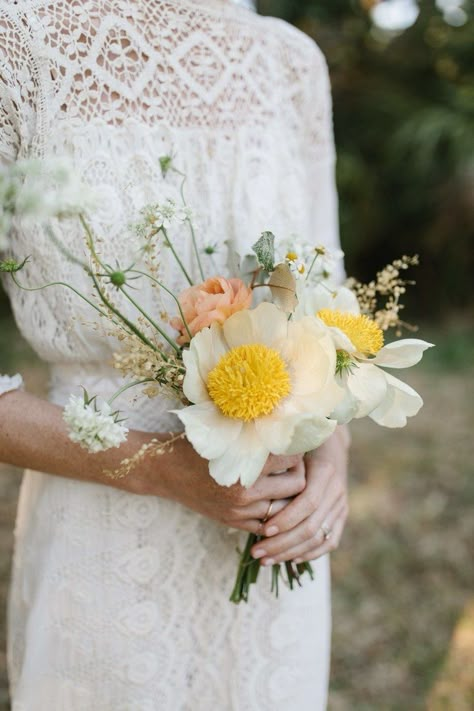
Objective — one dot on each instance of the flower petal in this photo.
(194, 386)
(244, 458)
(368, 386)
(323, 297)
(400, 402)
(401, 354)
(265, 324)
(207, 346)
(208, 430)
(295, 433)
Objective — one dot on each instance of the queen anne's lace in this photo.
(119, 601)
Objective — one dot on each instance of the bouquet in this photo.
(254, 376)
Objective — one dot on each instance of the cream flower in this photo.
(361, 355)
(92, 426)
(260, 384)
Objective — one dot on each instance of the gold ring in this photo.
(269, 512)
(326, 531)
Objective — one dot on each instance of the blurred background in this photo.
(403, 88)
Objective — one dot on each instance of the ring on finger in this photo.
(269, 511)
(326, 531)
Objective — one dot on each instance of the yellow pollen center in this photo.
(361, 330)
(292, 256)
(249, 381)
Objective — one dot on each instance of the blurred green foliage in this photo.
(404, 122)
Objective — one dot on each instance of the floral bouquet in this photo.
(253, 379)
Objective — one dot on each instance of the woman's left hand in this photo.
(312, 523)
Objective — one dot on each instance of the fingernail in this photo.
(259, 553)
(268, 561)
(297, 560)
(271, 530)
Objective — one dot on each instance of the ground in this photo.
(403, 579)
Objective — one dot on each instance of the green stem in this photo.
(162, 286)
(247, 572)
(127, 386)
(312, 265)
(191, 227)
(90, 242)
(181, 265)
(162, 333)
(131, 326)
(59, 283)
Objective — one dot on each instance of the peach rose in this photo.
(214, 300)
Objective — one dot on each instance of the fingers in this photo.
(277, 546)
(280, 486)
(303, 505)
(309, 545)
(327, 546)
(280, 463)
(258, 510)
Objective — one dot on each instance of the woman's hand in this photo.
(297, 532)
(33, 435)
(184, 477)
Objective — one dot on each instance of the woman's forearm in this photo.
(33, 435)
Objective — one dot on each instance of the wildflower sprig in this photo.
(380, 298)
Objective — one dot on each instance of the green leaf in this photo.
(264, 248)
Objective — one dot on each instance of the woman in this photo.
(119, 597)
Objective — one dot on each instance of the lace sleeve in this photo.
(321, 156)
(10, 90)
(9, 383)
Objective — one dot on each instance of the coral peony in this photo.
(211, 302)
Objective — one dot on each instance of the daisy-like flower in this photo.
(260, 384)
(361, 357)
(92, 426)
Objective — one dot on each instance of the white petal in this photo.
(310, 433)
(340, 340)
(346, 410)
(368, 386)
(244, 458)
(400, 402)
(207, 429)
(321, 297)
(265, 324)
(208, 346)
(401, 354)
(194, 386)
(294, 433)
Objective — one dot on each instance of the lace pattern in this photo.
(118, 601)
(10, 383)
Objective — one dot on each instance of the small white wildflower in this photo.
(94, 427)
(37, 190)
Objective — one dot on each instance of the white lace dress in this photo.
(120, 602)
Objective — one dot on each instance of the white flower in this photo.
(37, 190)
(261, 384)
(93, 427)
(309, 262)
(369, 390)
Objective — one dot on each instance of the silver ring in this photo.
(269, 512)
(326, 531)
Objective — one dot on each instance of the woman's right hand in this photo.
(184, 477)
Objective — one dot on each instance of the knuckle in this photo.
(333, 545)
(312, 528)
(300, 484)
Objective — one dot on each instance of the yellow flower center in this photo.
(249, 381)
(292, 256)
(363, 333)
